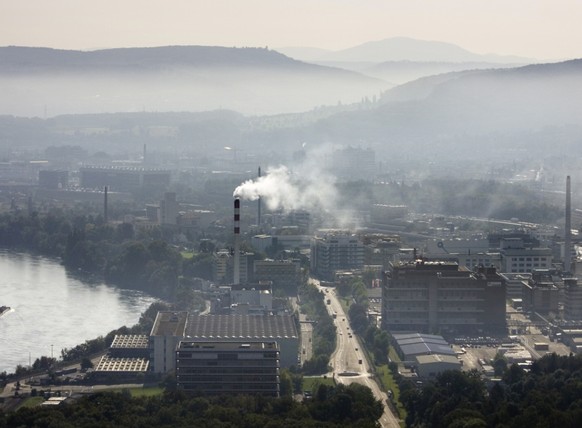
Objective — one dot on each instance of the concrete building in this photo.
(572, 299)
(53, 179)
(167, 332)
(127, 358)
(250, 299)
(228, 367)
(172, 327)
(384, 214)
(438, 296)
(409, 345)
(284, 274)
(223, 267)
(429, 366)
(514, 284)
(380, 249)
(516, 257)
(169, 209)
(335, 250)
(540, 293)
(124, 178)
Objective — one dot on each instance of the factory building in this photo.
(516, 257)
(572, 299)
(440, 296)
(124, 179)
(170, 328)
(541, 293)
(53, 179)
(228, 367)
(284, 274)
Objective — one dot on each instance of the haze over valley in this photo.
(308, 196)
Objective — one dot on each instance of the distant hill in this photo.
(401, 59)
(172, 78)
(483, 112)
(408, 49)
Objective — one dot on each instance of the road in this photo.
(348, 361)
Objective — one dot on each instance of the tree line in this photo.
(116, 253)
(548, 395)
(338, 406)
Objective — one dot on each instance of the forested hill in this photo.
(171, 78)
(29, 60)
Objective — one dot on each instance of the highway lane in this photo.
(348, 361)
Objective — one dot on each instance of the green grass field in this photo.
(140, 392)
(312, 383)
(31, 402)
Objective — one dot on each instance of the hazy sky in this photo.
(548, 29)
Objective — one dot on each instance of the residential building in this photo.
(333, 250)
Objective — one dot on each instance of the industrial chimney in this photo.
(105, 209)
(568, 230)
(259, 206)
(236, 277)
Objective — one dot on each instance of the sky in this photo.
(541, 29)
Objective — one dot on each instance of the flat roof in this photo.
(169, 323)
(130, 341)
(437, 358)
(238, 346)
(110, 364)
(243, 327)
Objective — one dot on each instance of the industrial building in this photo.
(440, 296)
(333, 250)
(228, 367)
(251, 299)
(53, 179)
(284, 274)
(572, 299)
(172, 327)
(541, 293)
(127, 357)
(124, 178)
(516, 257)
(410, 345)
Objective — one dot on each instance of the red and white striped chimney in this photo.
(236, 273)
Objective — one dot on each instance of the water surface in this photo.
(52, 310)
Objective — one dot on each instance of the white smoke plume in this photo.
(307, 186)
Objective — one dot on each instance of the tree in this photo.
(86, 363)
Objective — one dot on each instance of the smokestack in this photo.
(105, 209)
(568, 231)
(236, 278)
(259, 206)
(144, 153)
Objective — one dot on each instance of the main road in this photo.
(349, 363)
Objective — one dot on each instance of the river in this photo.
(52, 310)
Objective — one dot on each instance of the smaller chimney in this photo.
(105, 209)
(259, 206)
